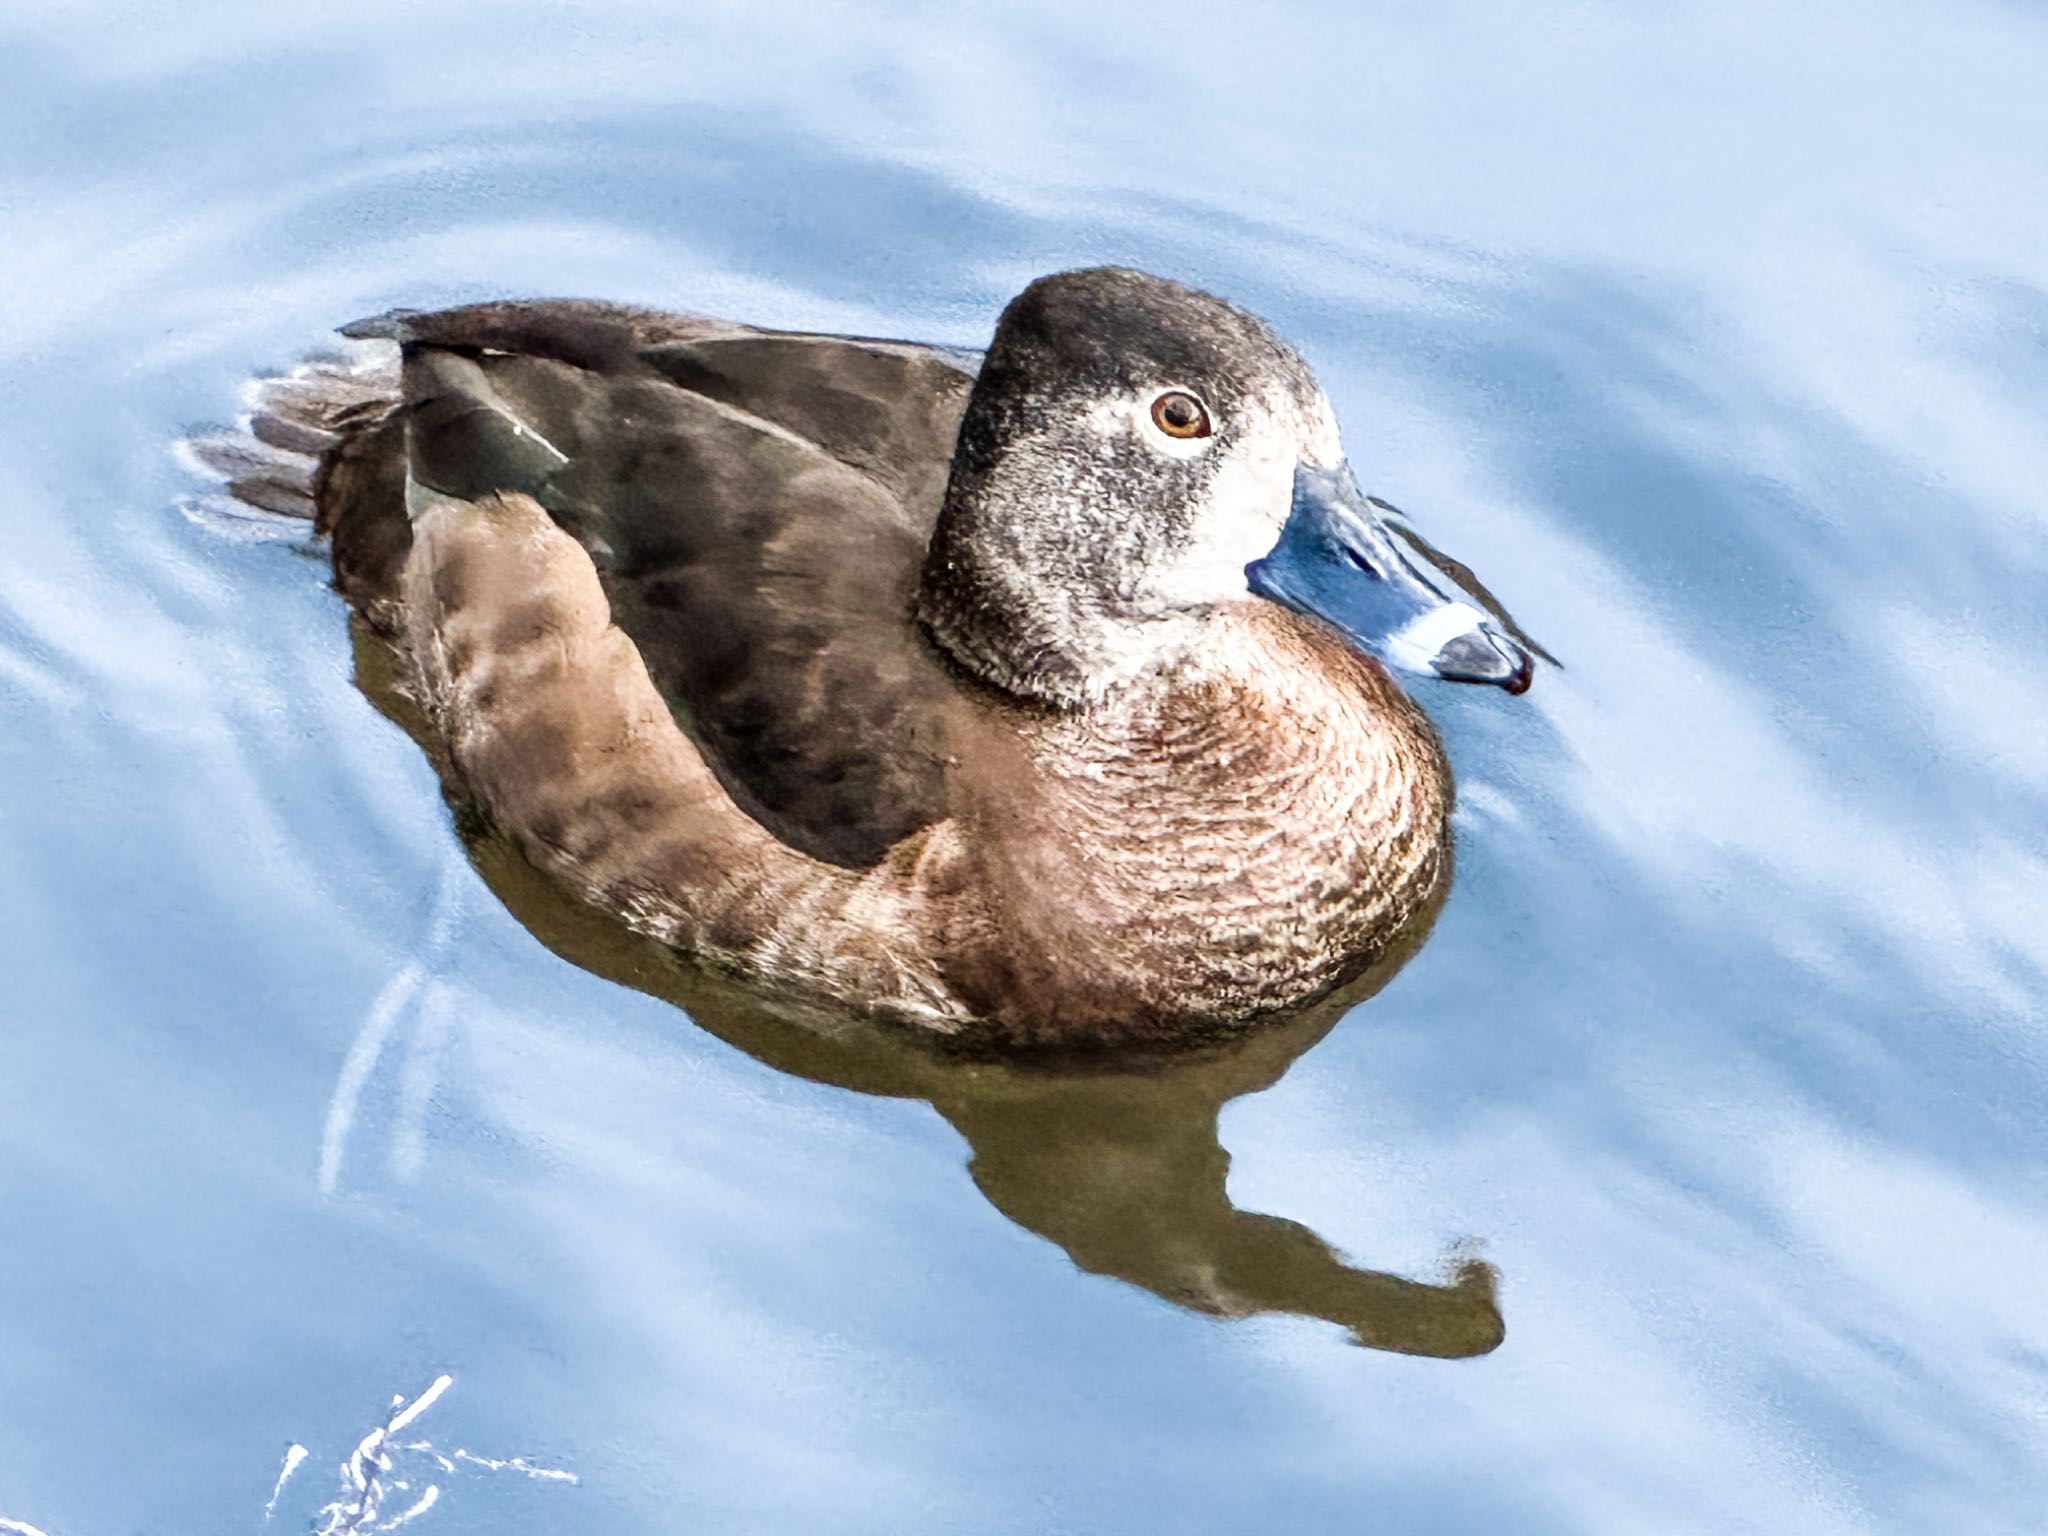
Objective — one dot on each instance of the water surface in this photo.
(1714, 341)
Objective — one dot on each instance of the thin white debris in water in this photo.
(382, 1467)
(517, 1464)
(421, 1404)
(419, 1506)
(426, 1449)
(295, 1454)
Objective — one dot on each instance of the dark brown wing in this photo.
(757, 506)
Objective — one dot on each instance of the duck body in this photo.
(934, 692)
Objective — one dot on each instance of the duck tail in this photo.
(271, 459)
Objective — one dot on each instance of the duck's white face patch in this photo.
(1247, 498)
(1123, 416)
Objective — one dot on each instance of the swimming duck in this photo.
(1040, 704)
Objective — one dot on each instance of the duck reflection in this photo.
(1116, 1160)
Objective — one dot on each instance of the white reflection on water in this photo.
(410, 982)
(1714, 339)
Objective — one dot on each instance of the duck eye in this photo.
(1179, 414)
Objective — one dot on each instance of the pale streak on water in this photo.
(1716, 340)
(394, 1001)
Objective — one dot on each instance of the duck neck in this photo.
(1058, 665)
(1020, 586)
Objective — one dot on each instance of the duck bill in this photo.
(1351, 561)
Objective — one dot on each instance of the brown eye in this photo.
(1179, 414)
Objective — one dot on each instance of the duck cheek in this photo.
(1237, 502)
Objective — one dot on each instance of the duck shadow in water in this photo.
(1117, 1161)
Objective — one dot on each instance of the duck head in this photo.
(1136, 454)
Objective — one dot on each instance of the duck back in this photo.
(756, 505)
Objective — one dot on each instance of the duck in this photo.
(1039, 700)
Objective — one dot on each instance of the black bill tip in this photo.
(1485, 655)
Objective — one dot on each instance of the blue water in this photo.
(1715, 339)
